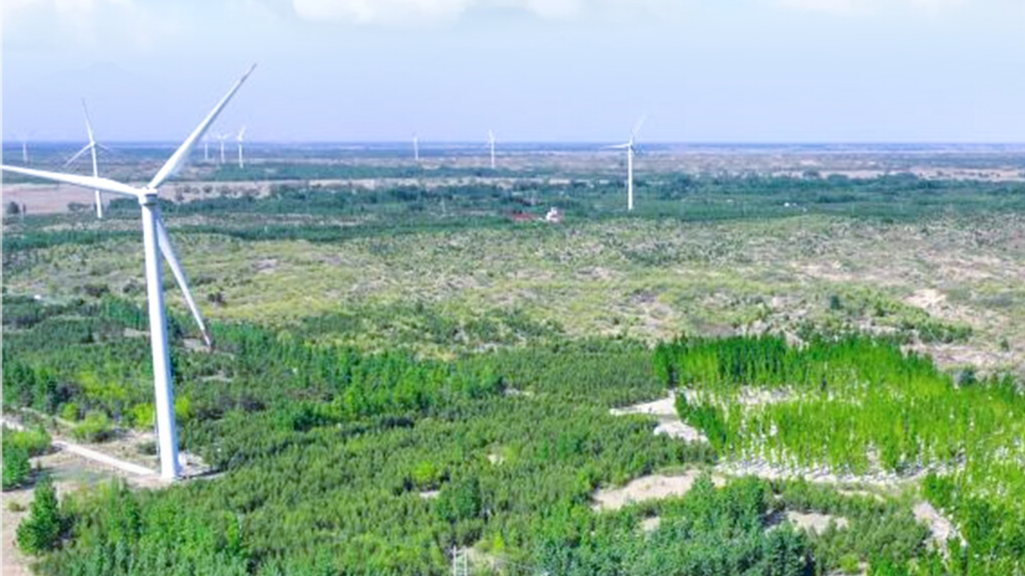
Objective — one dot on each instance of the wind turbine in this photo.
(154, 236)
(630, 151)
(241, 162)
(416, 147)
(90, 147)
(24, 152)
(222, 137)
(491, 142)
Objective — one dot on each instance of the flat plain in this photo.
(386, 331)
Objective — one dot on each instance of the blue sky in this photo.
(532, 70)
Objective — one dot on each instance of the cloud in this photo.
(420, 12)
(55, 24)
(863, 6)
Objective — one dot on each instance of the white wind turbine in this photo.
(155, 237)
(241, 162)
(90, 147)
(24, 152)
(222, 138)
(630, 151)
(416, 147)
(491, 142)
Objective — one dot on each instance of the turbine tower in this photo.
(416, 147)
(155, 237)
(222, 137)
(241, 162)
(491, 142)
(90, 147)
(24, 152)
(631, 149)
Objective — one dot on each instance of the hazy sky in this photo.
(533, 70)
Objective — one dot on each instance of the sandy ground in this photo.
(649, 525)
(817, 523)
(647, 488)
(942, 529)
(669, 422)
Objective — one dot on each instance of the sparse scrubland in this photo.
(400, 374)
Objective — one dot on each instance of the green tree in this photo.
(16, 467)
(41, 531)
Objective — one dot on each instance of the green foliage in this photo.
(16, 467)
(95, 427)
(835, 402)
(18, 447)
(41, 531)
(709, 531)
(35, 441)
(849, 564)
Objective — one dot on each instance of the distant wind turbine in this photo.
(222, 137)
(155, 237)
(241, 162)
(630, 151)
(24, 152)
(491, 142)
(416, 147)
(90, 147)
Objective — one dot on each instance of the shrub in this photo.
(849, 564)
(16, 467)
(41, 531)
(95, 427)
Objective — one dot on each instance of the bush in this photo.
(69, 412)
(34, 441)
(849, 564)
(95, 427)
(16, 467)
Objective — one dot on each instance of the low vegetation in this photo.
(402, 374)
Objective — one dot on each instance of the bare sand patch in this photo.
(669, 422)
(928, 299)
(941, 528)
(814, 522)
(655, 487)
(649, 525)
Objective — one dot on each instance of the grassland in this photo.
(948, 285)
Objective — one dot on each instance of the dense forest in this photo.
(860, 405)
(334, 460)
(328, 457)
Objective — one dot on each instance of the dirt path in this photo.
(93, 455)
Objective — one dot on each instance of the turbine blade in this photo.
(639, 125)
(78, 155)
(90, 182)
(179, 275)
(88, 124)
(618, 146)
(181, 156)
